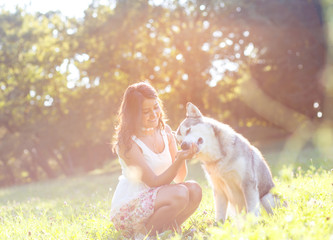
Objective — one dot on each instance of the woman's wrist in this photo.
(181, 157)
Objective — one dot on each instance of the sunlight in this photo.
(32, 93)
(179, 57)
(219, 67)
(205, 47)
(222, 44)
(249, 49)
(82, 57)
(206, 24)
(96, 81)
(316, 105)
(48, 101)
(67, 8)
(69, 67)
(217, 34)
(175, 28)
(157, 68)
(156, 2)
(257, 67)
(138, 55)
(229, 42)
(185, 77)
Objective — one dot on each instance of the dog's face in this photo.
(194, 129)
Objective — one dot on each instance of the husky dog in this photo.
(238, 173)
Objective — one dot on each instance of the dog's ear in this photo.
(192, 111)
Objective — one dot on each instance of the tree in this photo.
(31, 52)
(62, 80)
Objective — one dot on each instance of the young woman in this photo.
(151, 195)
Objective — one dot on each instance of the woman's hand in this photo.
(188, 153)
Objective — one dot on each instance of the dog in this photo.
(237, 171)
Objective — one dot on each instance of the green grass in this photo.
(309, 214)
(78, 208)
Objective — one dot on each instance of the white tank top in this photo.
(130, 185)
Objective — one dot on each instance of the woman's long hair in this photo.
(130, 114)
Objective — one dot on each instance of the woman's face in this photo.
(151, 113)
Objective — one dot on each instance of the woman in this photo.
(145, 201)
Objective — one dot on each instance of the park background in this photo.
(264, 67)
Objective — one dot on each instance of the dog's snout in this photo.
(200, 141)
(185, 145)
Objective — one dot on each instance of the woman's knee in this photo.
(174, 196)
(180, 195)
(195, 191)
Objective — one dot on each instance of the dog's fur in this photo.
(237, 171)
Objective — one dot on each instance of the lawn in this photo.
(78, 208)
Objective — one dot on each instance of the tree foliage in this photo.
(62, 79)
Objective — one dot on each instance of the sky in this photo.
(70, 8)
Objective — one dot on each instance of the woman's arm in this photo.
(135, 158)
(182, 172)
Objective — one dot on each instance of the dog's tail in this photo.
(270, 201)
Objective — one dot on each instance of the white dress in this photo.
(130, 186)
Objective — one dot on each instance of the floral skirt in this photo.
(132, 216)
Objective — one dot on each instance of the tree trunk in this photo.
(32, 168)
(41, 160)
(65, 165)
(10, 176)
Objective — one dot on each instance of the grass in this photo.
(75, 208)
(308, 215)
(78, 208)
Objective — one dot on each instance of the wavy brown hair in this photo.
(130, 112)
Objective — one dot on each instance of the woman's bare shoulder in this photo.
(168, 131)
(132, 154)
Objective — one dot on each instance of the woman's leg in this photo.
(173, 205)
(170, 201)
(195, 195)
